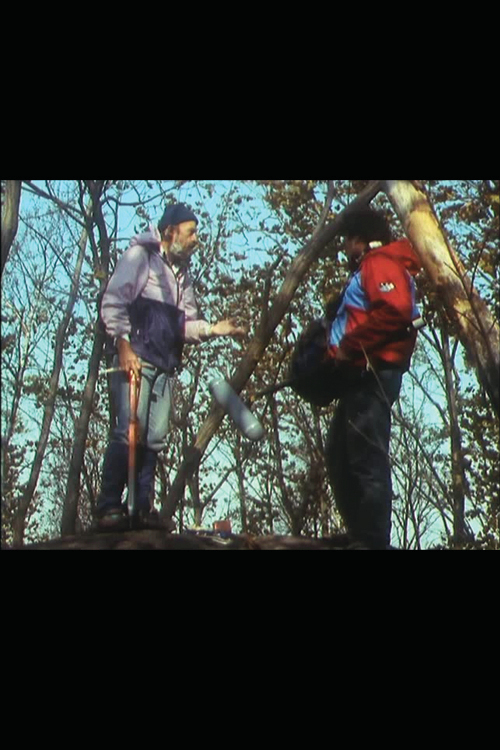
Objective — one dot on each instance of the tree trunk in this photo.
(102, 262)
(10, 216)
(271, 320)
(194, 488)
(27, 496)
(70, 507)
(241, 486)
(476, 328)
(292, 512)
(459, 482)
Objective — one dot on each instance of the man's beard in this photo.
(181, 255)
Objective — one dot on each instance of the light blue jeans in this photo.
(155, 400)
(154, 407)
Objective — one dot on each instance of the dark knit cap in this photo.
(176, 214)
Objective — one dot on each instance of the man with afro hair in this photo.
(372, 339)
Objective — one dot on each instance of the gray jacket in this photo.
(152, 304)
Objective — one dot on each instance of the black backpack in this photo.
(313, 375)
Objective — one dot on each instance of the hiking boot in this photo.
(151, 519)
(112, 519)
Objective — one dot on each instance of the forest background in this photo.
(56, 412)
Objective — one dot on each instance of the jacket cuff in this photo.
(125, 337)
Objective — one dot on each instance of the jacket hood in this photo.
(403, 251)
(151, 237)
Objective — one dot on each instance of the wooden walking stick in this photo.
(133, 439)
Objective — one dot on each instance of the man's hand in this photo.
(229, 328)
(128, 358)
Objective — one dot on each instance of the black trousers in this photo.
(357, 455)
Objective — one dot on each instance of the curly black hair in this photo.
(368, 225)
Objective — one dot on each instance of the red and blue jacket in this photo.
(375, 321)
